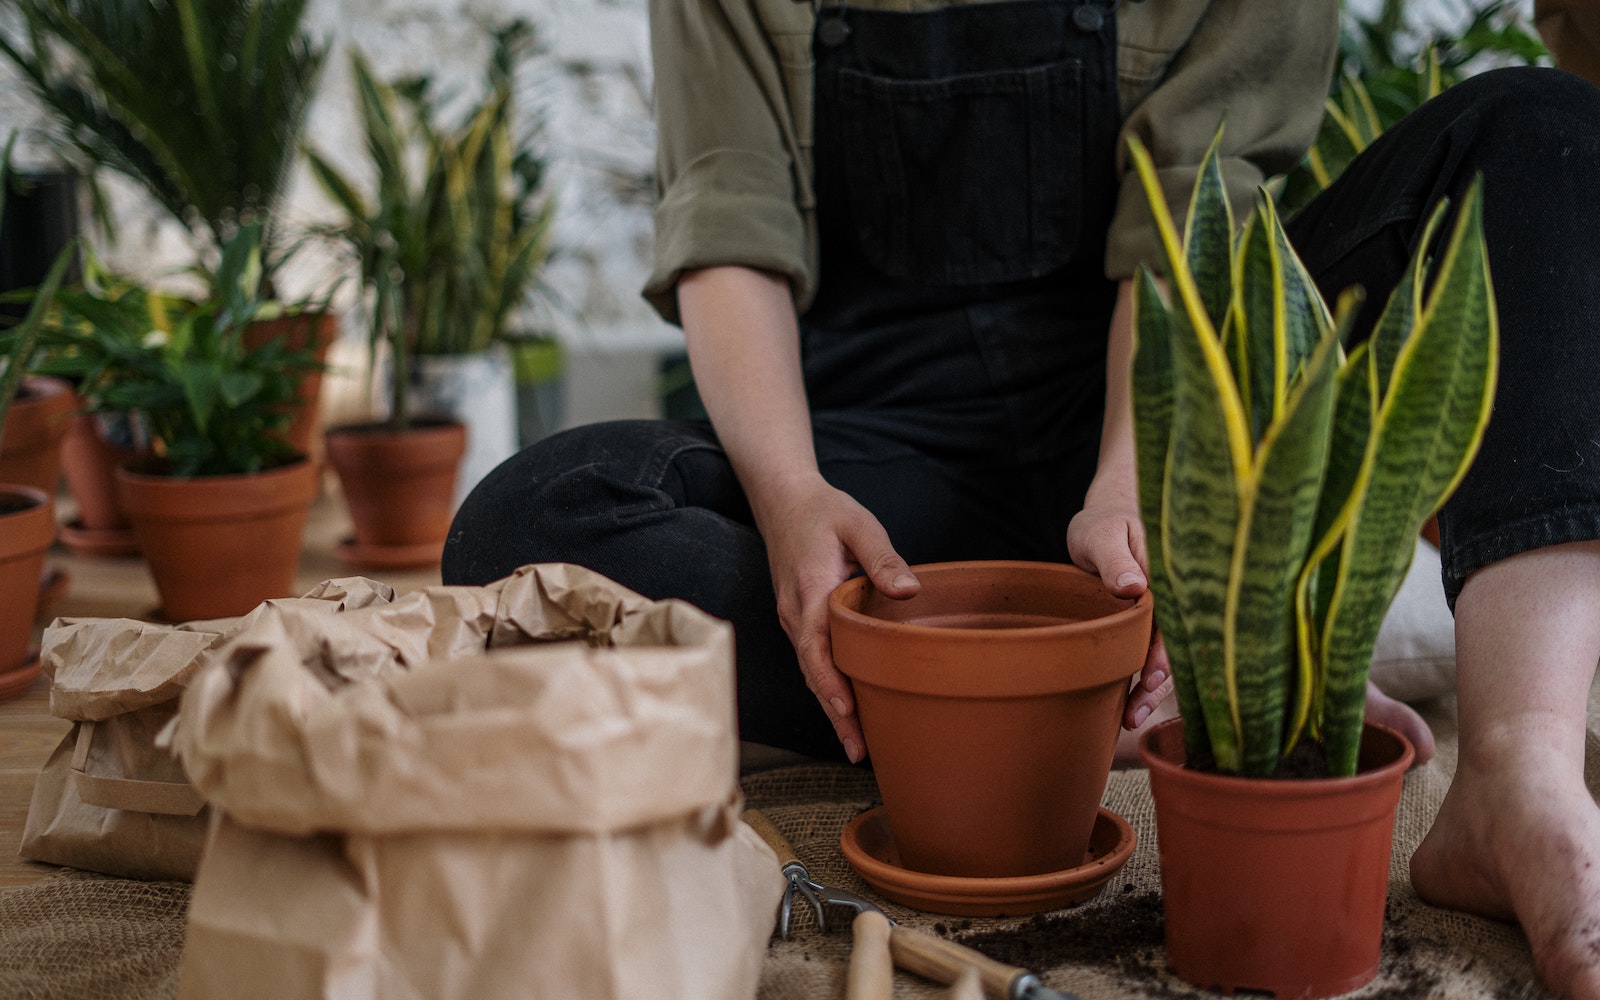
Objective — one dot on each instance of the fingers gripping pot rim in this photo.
(475, 792)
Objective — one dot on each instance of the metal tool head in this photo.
(821, 897)
(799, 885)
(1028, 987)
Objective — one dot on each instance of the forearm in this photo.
(1115, 474)
(744, 347)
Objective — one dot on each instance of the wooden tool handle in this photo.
(871, 974)
(757, 821)
(943, 961)
(966, 987)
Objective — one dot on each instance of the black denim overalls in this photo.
(955, 354)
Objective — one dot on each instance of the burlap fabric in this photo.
(76, 936)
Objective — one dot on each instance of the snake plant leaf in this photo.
(1202, 489)
(1277, 502)
(1427, 431)
(1152, 407)
(1205, 465)
(1276, 303)
(1353, 414)
(1208, 237)
(1400, 313)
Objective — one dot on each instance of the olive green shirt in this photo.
(733, 95)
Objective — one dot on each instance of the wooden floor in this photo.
(122, 588)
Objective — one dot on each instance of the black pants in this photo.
(655, 505)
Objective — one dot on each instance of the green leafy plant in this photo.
(200, 102)
(455, 240)
(207, 404)
(1283, 478)
(1387, 69)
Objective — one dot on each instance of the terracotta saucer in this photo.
(358, 556)
(17, 680)
(110, 542)
(869, 847)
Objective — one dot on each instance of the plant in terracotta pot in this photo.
(218, 504)
(448, 255)
(201, 104)
(96, 324)
(27, 512)
(1284, 476)
(990, 703)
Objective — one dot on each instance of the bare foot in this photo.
(1398, 715)
(1523, 844)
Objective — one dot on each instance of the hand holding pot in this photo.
(1106, 537)
(816, 539)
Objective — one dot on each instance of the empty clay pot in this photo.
(1275, 885)
(991, 704)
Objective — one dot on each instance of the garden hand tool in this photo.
(912, 950)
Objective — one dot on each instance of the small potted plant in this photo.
(1283, 478)
(448, 255)
(218, 503)
(27, 513)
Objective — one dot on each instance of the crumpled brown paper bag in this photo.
(528, 789)
(109, 799)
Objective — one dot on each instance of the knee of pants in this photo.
(1523, 110)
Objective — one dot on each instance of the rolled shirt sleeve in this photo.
(727, 158)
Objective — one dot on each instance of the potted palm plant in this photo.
(448, 255)
(201, 104)
(27, 513)
(1283, 478)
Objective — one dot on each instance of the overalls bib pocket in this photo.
(966, 179)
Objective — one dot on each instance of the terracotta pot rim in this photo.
(837, 603)
(1243, 785)
(126, 472)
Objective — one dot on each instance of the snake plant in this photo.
(453, 242)
(1283, 473)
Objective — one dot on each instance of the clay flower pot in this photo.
(89, 463)
(217, 546)
(399, 489)
(30, 452)
(991, 703)
(27, 527)
(1275, 885)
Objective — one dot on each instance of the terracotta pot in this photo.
(27, 527)
(89, 463)
(218, 546)
(1275, 885)
(30, 452)
(316, 330)
(399, 489)
(991, 703)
